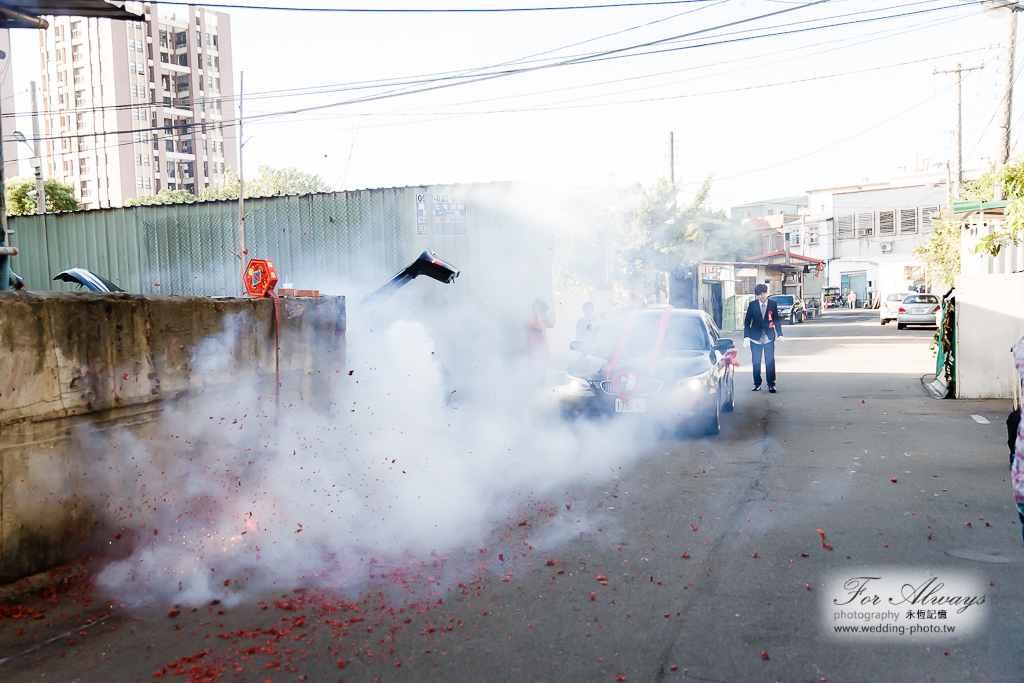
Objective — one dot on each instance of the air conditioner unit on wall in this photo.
(886, 246)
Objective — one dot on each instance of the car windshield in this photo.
(921, 299)
(895, 297)
(684, 333)
(782, 299)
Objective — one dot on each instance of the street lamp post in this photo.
(36, 162)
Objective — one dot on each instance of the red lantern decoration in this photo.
(260, 277)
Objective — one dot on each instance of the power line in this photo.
(427, 79)
(444, 10)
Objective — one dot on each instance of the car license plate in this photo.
(921, 311)
(637, 405)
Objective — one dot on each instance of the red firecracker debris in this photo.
(807, 586)
(893, 480)
(764, 654)
(551, 563)
(685, 555)
(805, 554)
(227, 582)
(602, 577)
(754, 555)
(173, 612)
(824, 545)
(620, 677)
(673, 667)
(693, 526)
(593, 596)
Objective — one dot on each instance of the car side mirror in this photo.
(576, 346)
(724, 344)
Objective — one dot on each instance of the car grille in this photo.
(651, 386)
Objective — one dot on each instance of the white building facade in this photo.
(131, 108)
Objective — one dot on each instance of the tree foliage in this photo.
(634, 233)
(164, 196)
(59, 197)
(271, 182)
(941, 252)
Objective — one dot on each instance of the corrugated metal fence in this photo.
(190, 249)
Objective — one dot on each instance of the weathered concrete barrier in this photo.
(73, 361)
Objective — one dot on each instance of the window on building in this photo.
(139, 47)
(170, 169)
(183, 60)
(76, 53)
(67, 167)
(927, 214)
(908, 221)
(76, 29)
(886, 222)
(215, 40)
(207, 39)
(209, 81)
(216, 65)
(138, 160)
(85, 188)
(145, 160)
(209, 60)
(131, 68)
(204, 145)
(206, 169)
(199, 38)
(865, 224)
(169, 145)
(147, 184)
(138, 183)
(844, 225)
(80, 120)
(83, 144)
(79, 75)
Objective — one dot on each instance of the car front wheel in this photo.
(714, 422)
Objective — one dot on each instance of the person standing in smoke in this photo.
(587, 325)
(538, 351)
(760, 331)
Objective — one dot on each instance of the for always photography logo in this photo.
(901, 604)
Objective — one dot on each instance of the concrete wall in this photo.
(72, 364)
(989, 320)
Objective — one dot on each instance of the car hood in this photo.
(669, 368)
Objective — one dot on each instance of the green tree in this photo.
(634, 234)
(941, 252)
(271, 182)
(164, 196)
(59, 197)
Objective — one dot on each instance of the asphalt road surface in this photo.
(704, 560)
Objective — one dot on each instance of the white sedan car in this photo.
(919, 309)
(891, 305)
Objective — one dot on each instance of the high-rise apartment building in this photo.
(132, 108)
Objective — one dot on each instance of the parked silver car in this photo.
(891, 306)
(918, 309)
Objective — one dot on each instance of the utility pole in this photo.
(1006, 106)
(38, 160)
(6, 250)
(672, 158)
(958, 169)
(241, 187)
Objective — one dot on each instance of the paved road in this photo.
(851, 416)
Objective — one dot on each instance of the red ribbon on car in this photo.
(626, 333)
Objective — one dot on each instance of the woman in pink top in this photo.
(1017, 467)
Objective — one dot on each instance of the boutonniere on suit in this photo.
(770, 323)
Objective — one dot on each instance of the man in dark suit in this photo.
(761, 327)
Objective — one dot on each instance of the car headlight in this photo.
(577, 384)
(694, 383)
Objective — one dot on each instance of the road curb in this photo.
(933, 386)
(37, 582)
